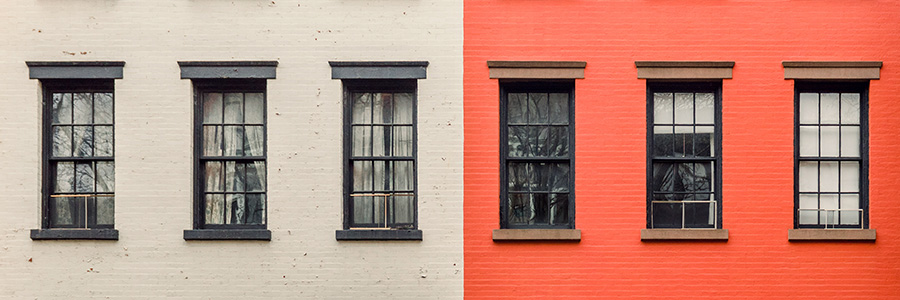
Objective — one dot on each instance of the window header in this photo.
(75, 69)
(536, 69)
(378, 69)
(227, 69)
(684, 69)
(845, 70)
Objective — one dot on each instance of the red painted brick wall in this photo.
(757, 262)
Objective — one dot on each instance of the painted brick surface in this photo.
(611, 262)
(151, 260)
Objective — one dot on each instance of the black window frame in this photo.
(704, 86)
(836, 86)
(535, 86)
(49, 87)
(351, 86)
(235, 85)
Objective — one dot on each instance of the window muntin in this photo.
(381, 158)
(231, 123)
(537, 147)
(830, 156)
(684, 161)
(79, 151)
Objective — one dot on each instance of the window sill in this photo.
(378, 235)
(865, 235)
(569, 235)
(684, 235)
(75, 234)
(227, 234)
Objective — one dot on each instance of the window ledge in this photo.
(378, 235)
(572, 235)
(74, 234)
(684, 235)
(867, 235)
(227, 234)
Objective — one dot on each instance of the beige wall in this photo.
(151, 260)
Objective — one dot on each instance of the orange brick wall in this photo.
(757, 262)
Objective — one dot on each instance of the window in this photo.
(537, 154)
(231, 153)
(831, 155)
(684, 155)
(381, 154)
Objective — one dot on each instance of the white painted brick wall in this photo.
(151, 260)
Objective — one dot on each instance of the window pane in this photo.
(849, 217)
(684, 108)
(666, 215)
(830, 141)
(828, 176)
(403, 209)
(403, 108)
(849, 176)
(83, 108)
(84, 177)
(62, 141)
(809, 108)
(362, 176)
(234, 176)
(559, 209)
(829, 204)
(106, 210)
(103, 108)
(559, 108)
(684, 141)
(559, 177)
(381, 140)
(382, 176)
(539, 177)
(212, 108)
(65, 177)
(704, 141)
(254, 140)
(663, 177)
(234, 140)
(521, 209)
(558, 142)
(235, 209)
(215, 209)
(850, 141)
(808, 202)
(829, 108)
(234, 108)
(538, 108)
(699, 215)
(541, 143)
(383, 107)
(518, 141)
(541, 208)
(517, 109)
(63, 211)
(662, 108)
(362, 108)
(705, 108)
(212, 140)
(106, 177)
(363, 210)
(254, 108)
(850, 108)
(256, 208)
(214, 180)
(62, 108)
(663, 141)
(518, 177)
(378, 210)
(404, 176)
(362, 141)
(256, 176)
(809, 176)
(103, 141)
(809, 141)
(703, 180)
(83, 142)
(403, 141)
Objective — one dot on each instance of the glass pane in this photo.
(559, 108)
(362, 108)
(235, 209)
(63, 212)
(849, 217)
(362, 176)
(256, 176)
(809, 176)
(403, 108)
(106, 210)
(106, 177)
(362, 210)
(829, 108)
(808, 209)
(828, 176)
(705, 108)
(403, 141)
(830, 140)
(685, 177)
(381, 140)
(103, 141)
(103, 108)
(212, 108)
(809, 141)
(559, 209)
(666, 215)
(850, 141)
(234, 176)
(663, 141)
(662, 108)
(254, 140)
(382, 106)
(541, 143)
(538, 108)
(704, 141)
(684, 108)
(517, 110)
(214, 180)
(254, 109)
(539, 176)
(234, 141)
(256, 208)
(212, 140)
(378, 210)
(65, 177)
(829, 204)
(809, 108)
(403, 209)
(62, 141)
(850, 108)
(518, 141)
(559, 177)
(684, 141)
(215, 209)
(699, 215)
(83, 108)
(703, 180)
(362, 141)
(83, 141)
(383, 177)
(541, 208)
(663, 177)
(521, 209)
(234, 108)
(558, 142)
(518, 177)
(62, 108)
(84, 177)
(404, 176)
(849, 176)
